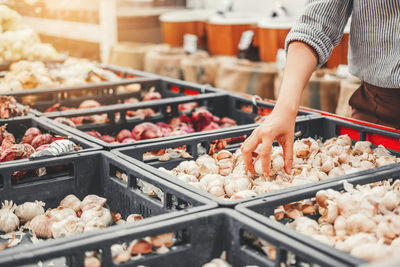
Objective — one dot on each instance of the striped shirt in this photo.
(374, 54)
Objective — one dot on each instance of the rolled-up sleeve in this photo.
(321, 26)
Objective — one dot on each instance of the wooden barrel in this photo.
(167, 61)
(130, 54)
(178, 23)
(224, 33)
(271, 37)
(339, 53)
(201, 69)
(244, 76)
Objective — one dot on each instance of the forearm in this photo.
(300, 63)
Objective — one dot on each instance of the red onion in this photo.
(227, 122)
(146, 130)
(42, 139)
(107, 138)
(202, 118)
(94, 133)
(30, 134)
(18, 151)
(211, 126)
(123, 134)
(7, 143)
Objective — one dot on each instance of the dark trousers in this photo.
(377, 105)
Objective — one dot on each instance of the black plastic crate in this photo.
(204, 236)
(220, 104)
(316, 127)
(261, 209)
(93, 173)
(105, 93)
(18, 126)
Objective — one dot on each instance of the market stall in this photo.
(140, 158)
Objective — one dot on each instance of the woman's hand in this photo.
(279, 125)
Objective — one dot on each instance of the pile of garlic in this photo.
(35, 74)
(224, 174)
(71, 217)
(17, 41)
(364, 221)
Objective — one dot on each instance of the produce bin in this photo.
(203, 236)
(18, 126)
(316, 127)
(92, 173)
(262, 209)
(106, 93)
(242, 110)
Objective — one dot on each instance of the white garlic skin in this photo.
(67, 227)
(61, 213)
(41, 225)
(72, 202)
(29, 210)
(8, 220)
(92, 201)
(98, 218)
(134, 218)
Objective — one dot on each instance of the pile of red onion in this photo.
(32, 141)
(201, 120)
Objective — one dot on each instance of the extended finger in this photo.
(266, 155)
(287, 145)
(247, 148)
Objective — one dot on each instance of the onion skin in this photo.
(18, 151)
(42, 139)
(146, 130)
(30, 134)
(123, 134)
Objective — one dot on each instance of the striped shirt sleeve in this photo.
(321, 26)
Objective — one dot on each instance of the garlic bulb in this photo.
(234, 184)
(8, 220)
(134, 218)
(69, 226)
(61, 213)
(92, 261)
(92, 201)
(72, 202)
(42, 224)
(97, 218)
(28, 210)
(120, 254)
